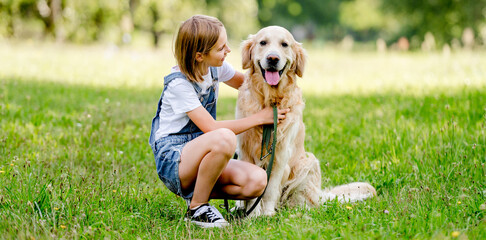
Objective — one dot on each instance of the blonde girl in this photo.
(192, 149)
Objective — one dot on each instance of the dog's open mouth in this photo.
(271, 75)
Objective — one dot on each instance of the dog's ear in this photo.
(246, 48)
(300, 59)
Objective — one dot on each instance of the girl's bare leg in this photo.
(206, 166)
(202, 162)
(240, 180)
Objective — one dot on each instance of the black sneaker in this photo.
(206, 216)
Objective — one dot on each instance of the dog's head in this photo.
(273, 52)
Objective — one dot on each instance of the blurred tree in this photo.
(164, 16)
(238, 16)
(311, 17)
(161, 16)
(50, 13)
(365, 21)
(7, 8)
(14, 11)
(93, 20)
(100, 20)
(117, 20)
(445, 19)
(77, 20)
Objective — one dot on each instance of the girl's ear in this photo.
(300, 59)
(247, 47)
(199, 57)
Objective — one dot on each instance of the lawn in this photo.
(75, 162)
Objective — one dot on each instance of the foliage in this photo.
(123, 21)
(364, 19)
(239, 17)
(84, 21)
(75, 163)
(116, 21)
(445, 19)
(318, 18)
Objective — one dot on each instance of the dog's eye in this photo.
(284, 44)
(263, 43)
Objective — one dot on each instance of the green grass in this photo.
(75, 162)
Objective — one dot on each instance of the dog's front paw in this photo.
(268, 208)
(269, 212)
(262, 211)
(257, 211)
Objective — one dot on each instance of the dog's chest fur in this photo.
(290, 132)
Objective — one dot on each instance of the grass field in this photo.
(75, 163)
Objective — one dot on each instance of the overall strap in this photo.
(214, 73)
(169, 78)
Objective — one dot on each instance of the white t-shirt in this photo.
(180, 97)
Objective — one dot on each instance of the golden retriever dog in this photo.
(273, 60)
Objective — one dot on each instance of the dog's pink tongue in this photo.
(272, 78)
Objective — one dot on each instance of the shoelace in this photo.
(212, 215)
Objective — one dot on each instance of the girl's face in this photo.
(217, 54)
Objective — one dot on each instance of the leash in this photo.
(270, 149)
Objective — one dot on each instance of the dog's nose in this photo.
(272, 59)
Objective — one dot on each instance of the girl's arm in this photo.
(236, 81)
(204, 121)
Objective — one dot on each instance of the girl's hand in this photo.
(266, 115)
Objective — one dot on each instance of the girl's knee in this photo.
(257, 181)
(227, 135)
(225, 141)
(262, 180)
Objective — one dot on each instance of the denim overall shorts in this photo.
(167, 150)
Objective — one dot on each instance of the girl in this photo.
(192, 150)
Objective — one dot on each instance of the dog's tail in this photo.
(352, 192)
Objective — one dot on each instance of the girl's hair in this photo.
(197, 34)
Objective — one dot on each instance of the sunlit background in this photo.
(353, 45)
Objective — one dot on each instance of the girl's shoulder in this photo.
(175, 75)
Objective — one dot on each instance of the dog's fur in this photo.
(296, 176)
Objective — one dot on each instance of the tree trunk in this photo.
(50, 14)
(54, 18)
(10, 23)
(153, 30)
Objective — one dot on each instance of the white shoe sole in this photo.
(209, 225)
